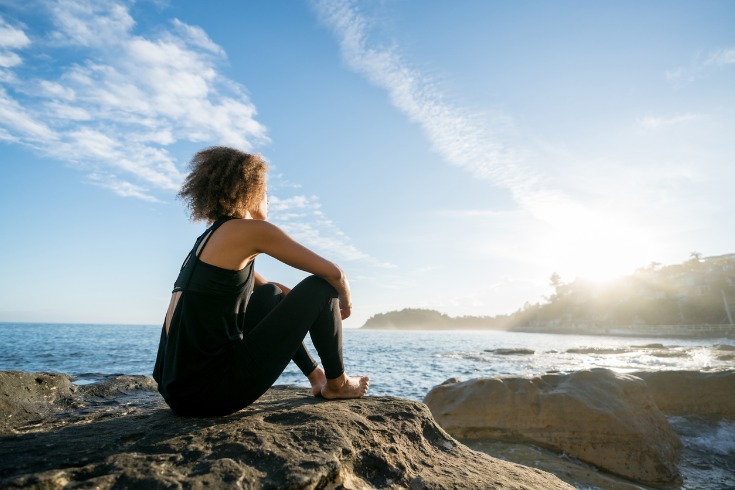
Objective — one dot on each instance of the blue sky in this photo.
(448, 155)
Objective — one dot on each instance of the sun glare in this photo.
(596, 246)
(601, 265)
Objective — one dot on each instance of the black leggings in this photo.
(275, 329)
(263, 301)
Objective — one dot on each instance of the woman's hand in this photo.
(345, 309)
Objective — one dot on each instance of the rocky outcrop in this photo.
(119, 433)
(600, 417)
(693, 393)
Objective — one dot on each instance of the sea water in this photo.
(409, 363)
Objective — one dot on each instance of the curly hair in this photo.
(223, 182)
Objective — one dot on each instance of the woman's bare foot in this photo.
(318, 381)
(346, 387)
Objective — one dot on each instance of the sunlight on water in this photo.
(409, 363)
(400, 363)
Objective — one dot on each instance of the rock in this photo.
(119, 433)
(29, 396)
(693, 393)
(571, 470)
(511, 352)
(598, 350)
(600, 417)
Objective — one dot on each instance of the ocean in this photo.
(409, 363)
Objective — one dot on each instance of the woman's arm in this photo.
(267, 238)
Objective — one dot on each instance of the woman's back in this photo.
(206, 319)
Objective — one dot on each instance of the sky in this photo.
(447, 155)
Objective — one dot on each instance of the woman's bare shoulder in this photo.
(251, 232)
(250, 225)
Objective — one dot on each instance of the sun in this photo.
(601, 264)
(597, 247)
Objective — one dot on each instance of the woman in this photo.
(228, 333)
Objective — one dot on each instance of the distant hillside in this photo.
(697, 292)
(425, 319)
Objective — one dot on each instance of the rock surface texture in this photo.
(600, 417)
(693, 393)
(119, 433)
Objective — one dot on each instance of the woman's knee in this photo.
(263, 300)
(267, 290)
(316, 283)
(270, 288)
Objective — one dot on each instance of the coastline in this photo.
(650, 331)
(656, 331)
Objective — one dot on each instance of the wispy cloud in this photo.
(303, 219)
(721, 57)
(575, 232)
(459, 136)
(702, 64)
(658, 122)
(11, 38)
(301, 216)
(121, 188)
(455, 134)
(127, 97)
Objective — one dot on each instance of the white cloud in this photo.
(125, 98)
(56, 91)
(289, 204)
(116, 109)
(549, 226)
(24, 126)
(302, 218)
(91, 23)
(721, 57)
(11, 37)
(68, 112)
(454, 133)
(5, 136)
(717, 58)
(198, 37)
(9, 60)
(658, 122)
(460, 137)
(121, 188)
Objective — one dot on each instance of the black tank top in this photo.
(206, 323)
